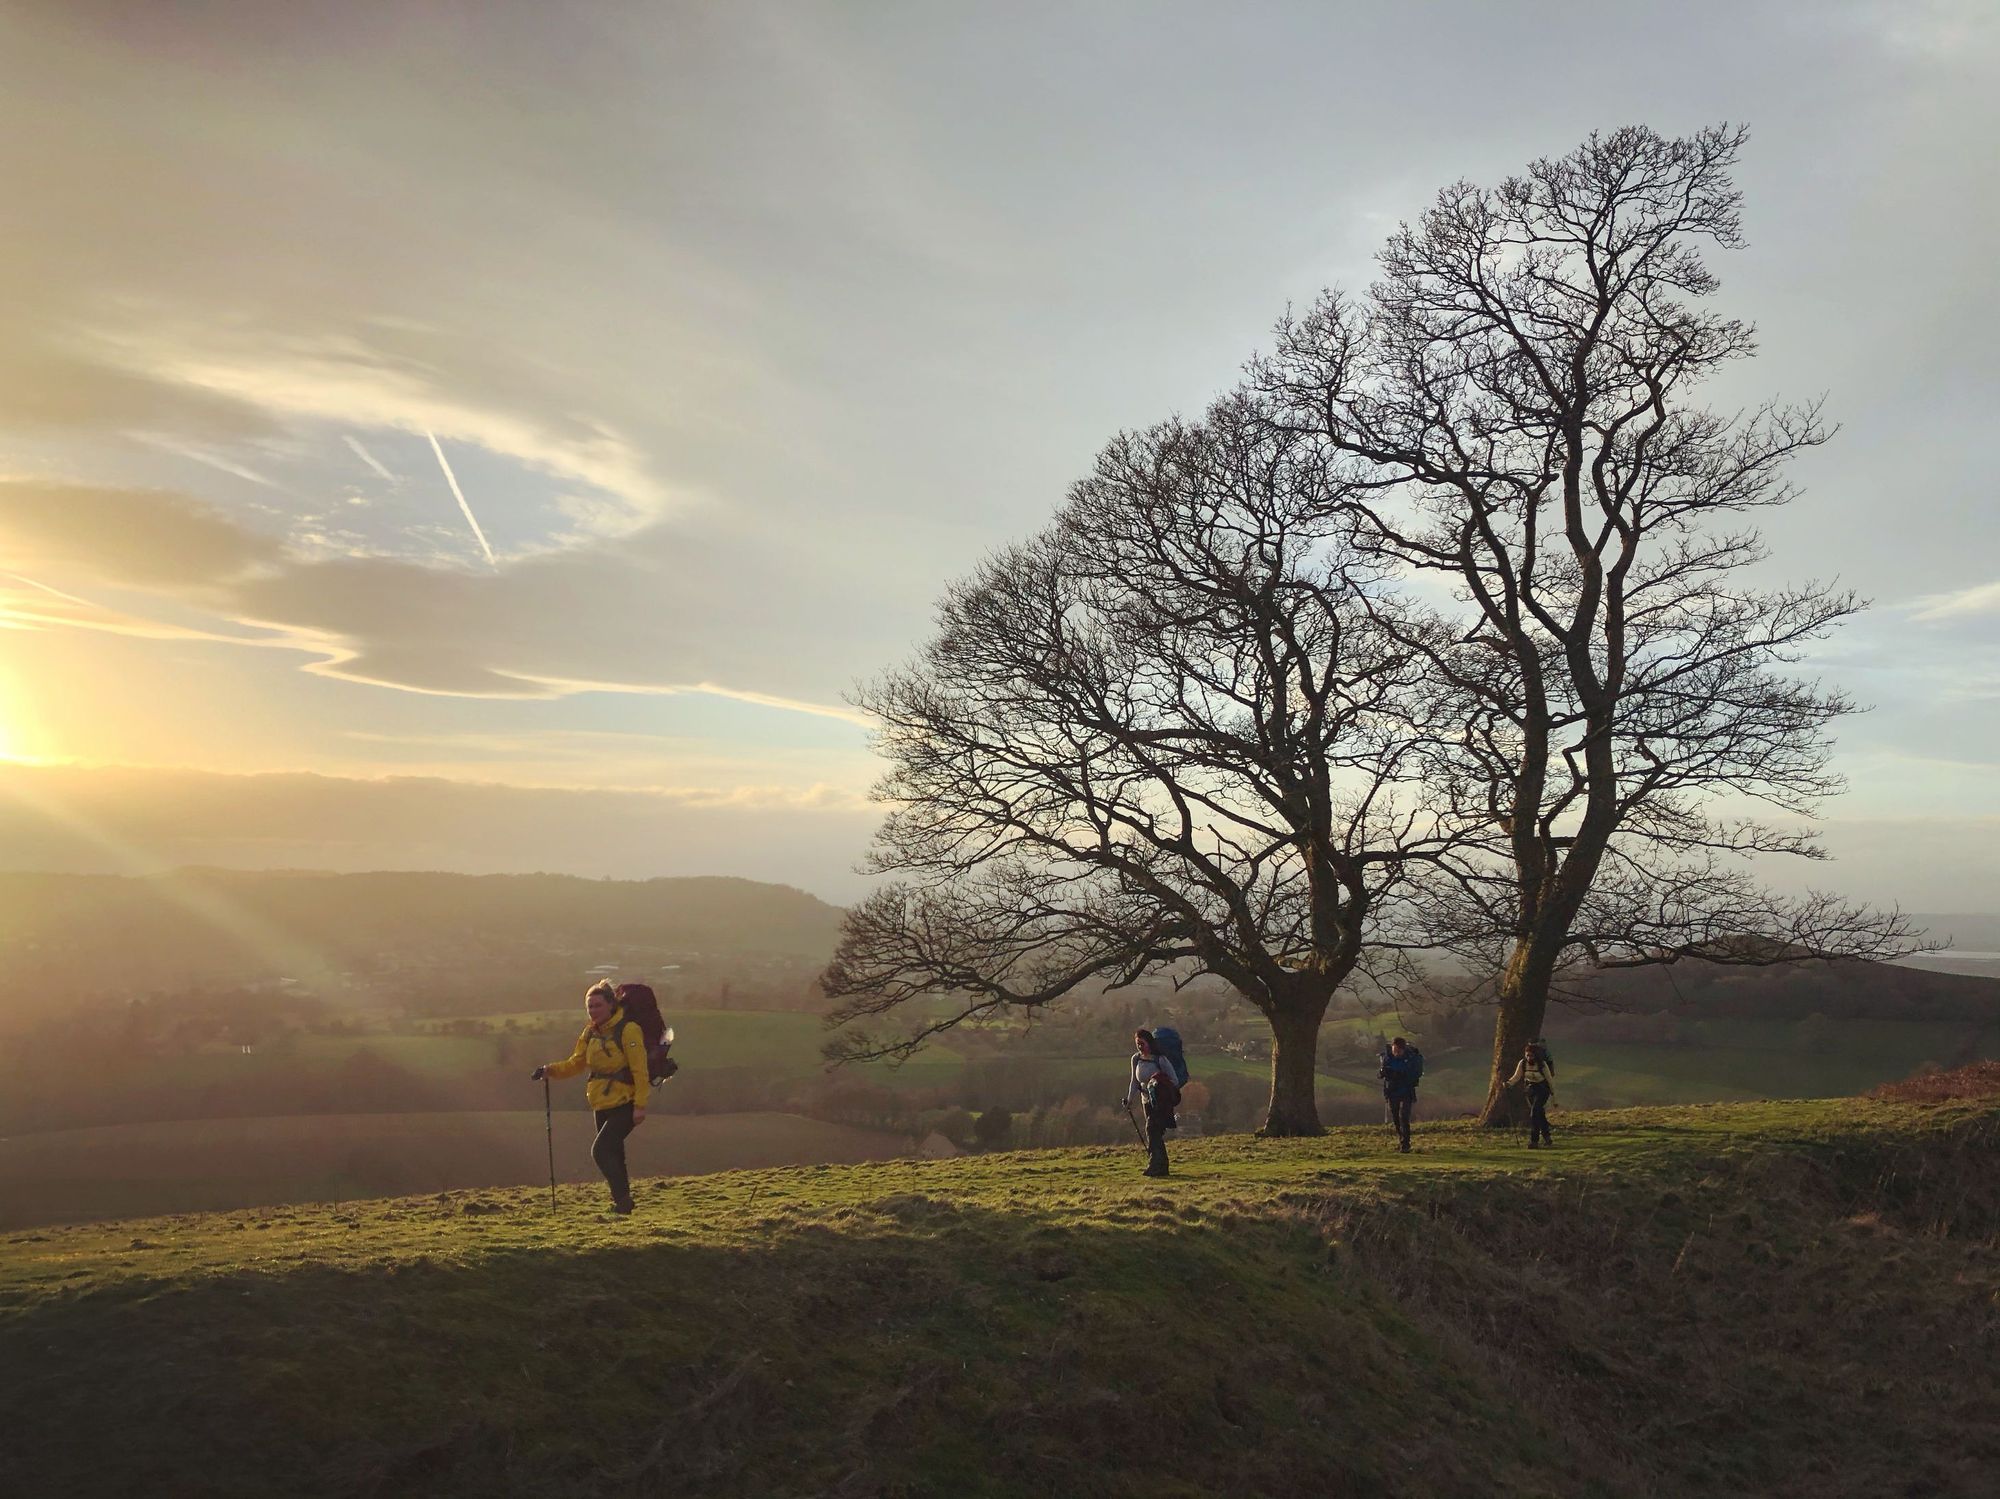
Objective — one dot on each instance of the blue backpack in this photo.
(1167, 1044)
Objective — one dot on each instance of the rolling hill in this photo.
(1770, 1299)
(87, 935)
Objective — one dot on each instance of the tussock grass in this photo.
(1762, 1298)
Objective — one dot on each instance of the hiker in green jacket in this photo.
(1539, 1074)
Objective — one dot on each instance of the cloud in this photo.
(566, 687)
(906, 309)
(43, 386)
(126, 536)
(815, 767)
(355, 379)
(661, 617)
(1943, 863)
(1981, 599)
(35, 605)
(1934, 30)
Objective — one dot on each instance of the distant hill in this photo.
(1976, 930)
(76, 934)
(1794, 991)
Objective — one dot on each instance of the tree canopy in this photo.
(1440, 631)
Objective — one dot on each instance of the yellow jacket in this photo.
(609, 1063)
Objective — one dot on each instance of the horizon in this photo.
(499, 441)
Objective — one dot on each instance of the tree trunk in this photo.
(1294, 1106)
(1524, 1000)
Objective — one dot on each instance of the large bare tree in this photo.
(1515, 409)
(1165, 735)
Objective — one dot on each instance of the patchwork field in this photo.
(398, 1106)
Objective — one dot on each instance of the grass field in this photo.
(1770, 1299)
(738, 1062)
(1723, 1061)
(194, 1165)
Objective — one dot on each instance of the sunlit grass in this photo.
(1550, 1323)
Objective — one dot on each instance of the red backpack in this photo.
(642, 1008)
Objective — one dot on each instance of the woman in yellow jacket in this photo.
(614, 1053)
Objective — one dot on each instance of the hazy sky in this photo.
(585, 396)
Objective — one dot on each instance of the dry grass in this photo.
(1980, 1080)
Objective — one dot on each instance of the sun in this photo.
(18, 741)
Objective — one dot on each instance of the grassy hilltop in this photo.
(1740, 1299)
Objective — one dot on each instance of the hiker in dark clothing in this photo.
(1402, 1066)
(1539, 1073)
(614, 1054)
(1153, 1080)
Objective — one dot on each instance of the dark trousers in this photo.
(1158, 1122)
(1399, 1117)
(613, 1125)
(1538, 1117)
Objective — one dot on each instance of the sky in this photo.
(501, 435)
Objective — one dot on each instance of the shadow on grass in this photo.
(906, 1346)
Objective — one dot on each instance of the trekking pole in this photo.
(1135, 1124)
(549, 1129)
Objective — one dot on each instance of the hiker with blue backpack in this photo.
(622, 1054)
(1159, 1070)
(1402, 1068)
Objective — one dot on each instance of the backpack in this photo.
(642, 1008)
(1401, 1073)
(1167, 1047)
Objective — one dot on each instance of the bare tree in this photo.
(1513, 408)
(1165, 735)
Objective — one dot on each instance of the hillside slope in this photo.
(77, 934)
(1748, 1299)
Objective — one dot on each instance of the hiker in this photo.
(1402, 1066)
(614, 1052)
(1154, 1081)
(1539, 1073)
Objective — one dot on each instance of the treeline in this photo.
(534, 981)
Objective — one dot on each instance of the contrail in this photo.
(202, 455)
(32, 583)
(369, 458)
(452, 479)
